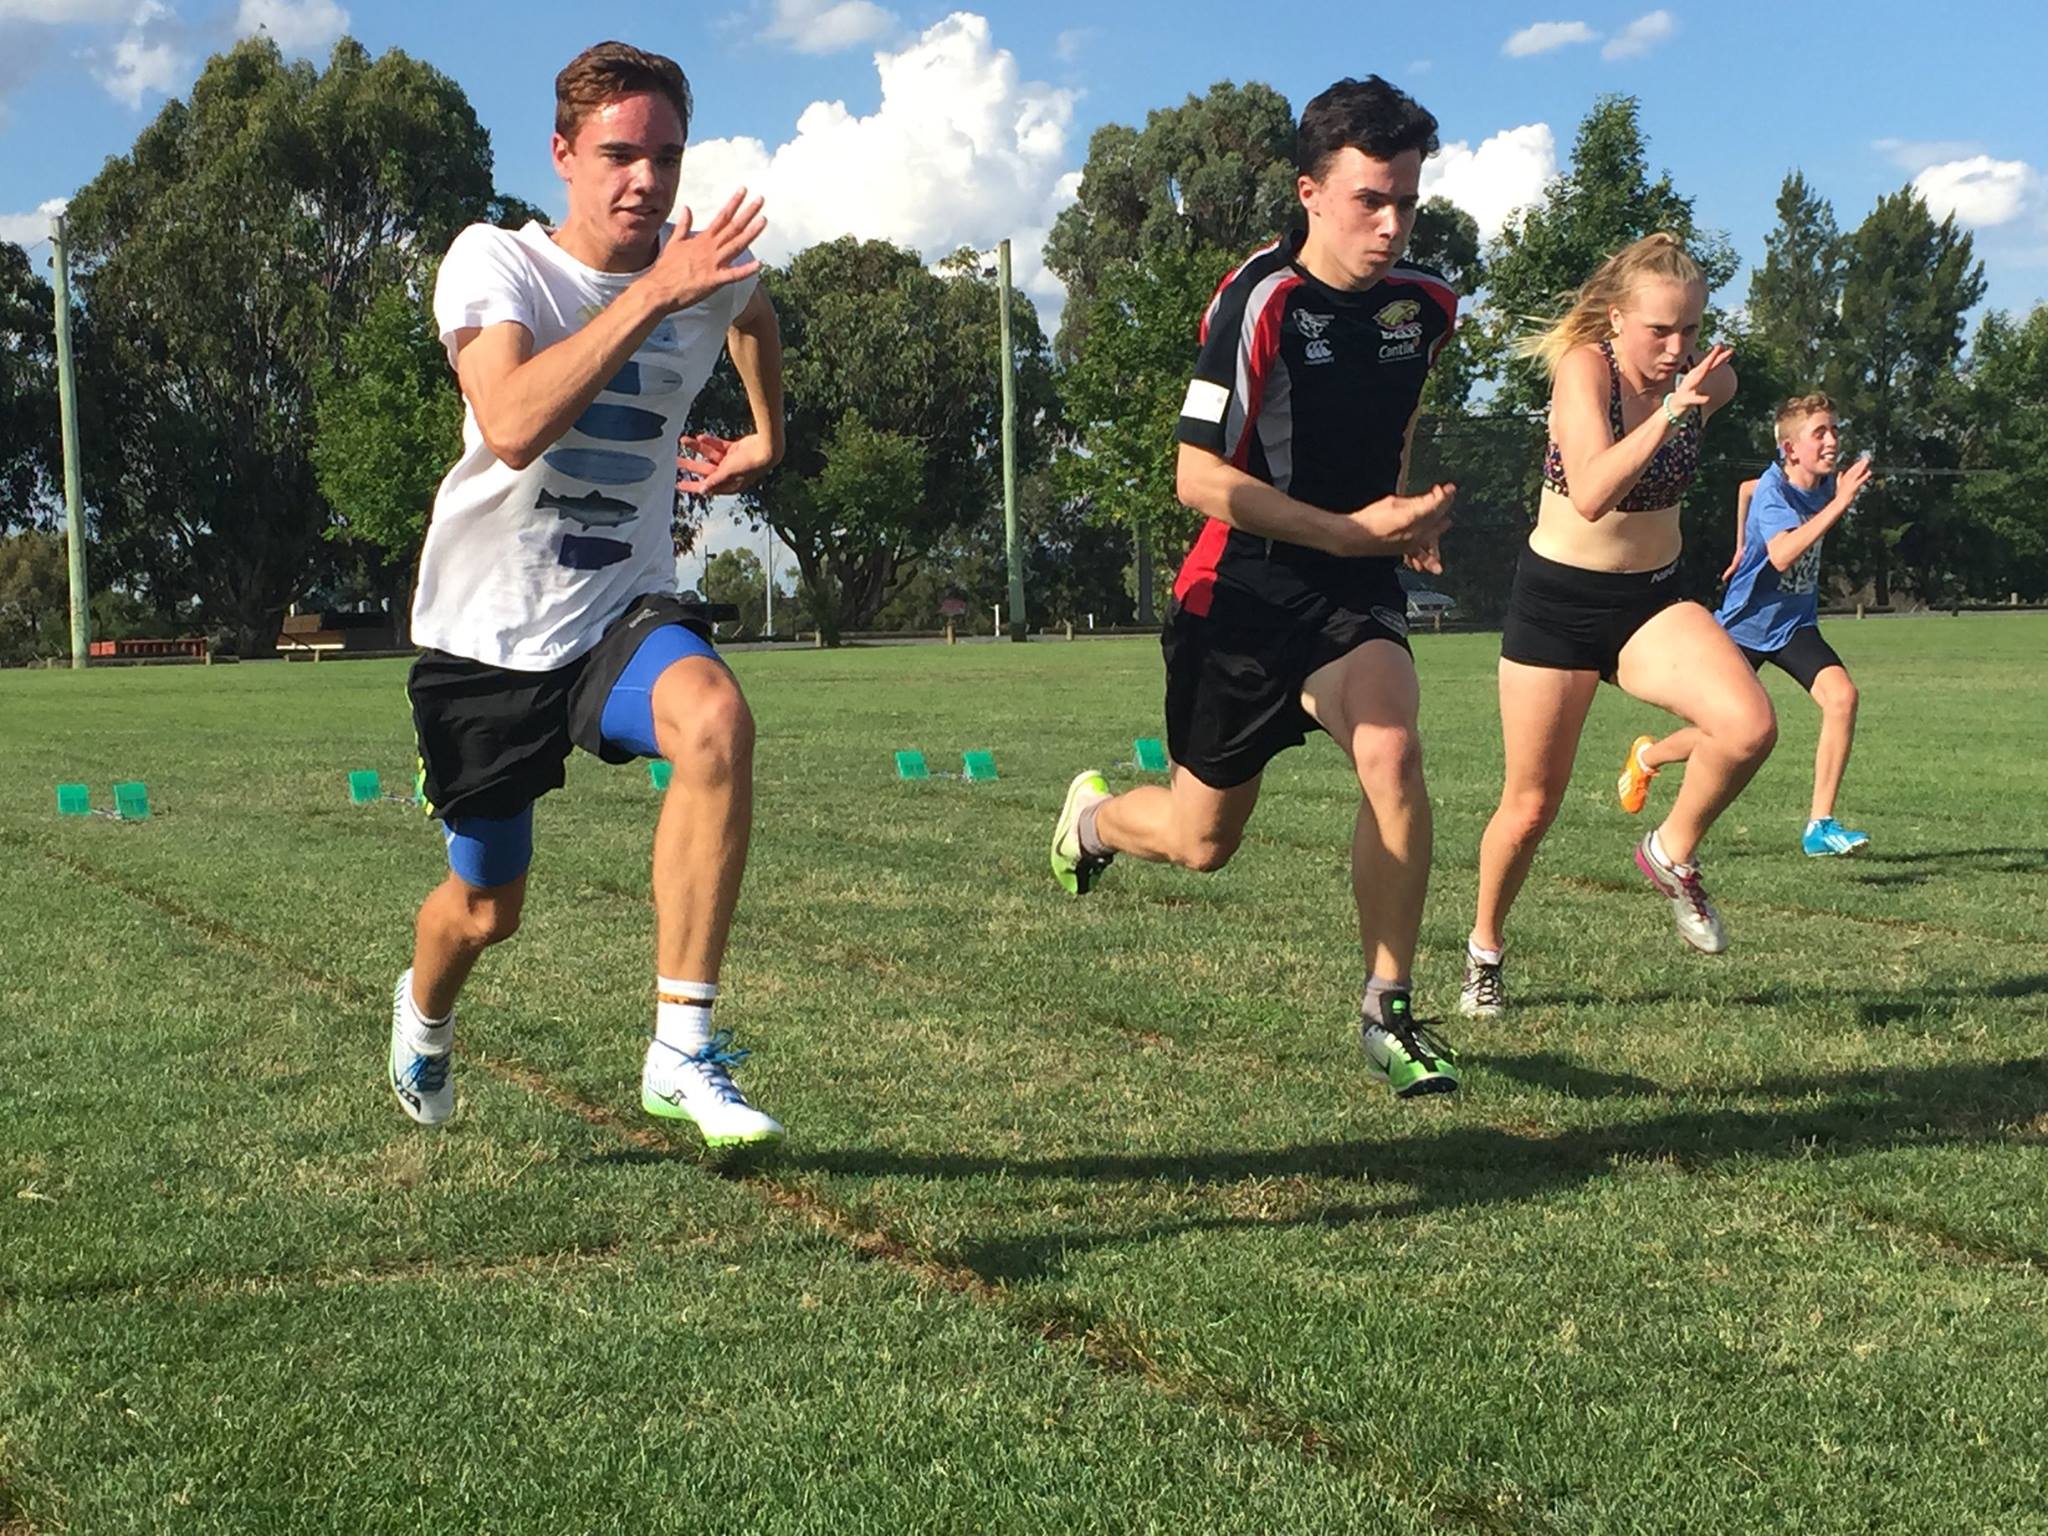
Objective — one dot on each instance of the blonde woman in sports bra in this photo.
(1595, 595)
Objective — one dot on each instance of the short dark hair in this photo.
(608, 71)
(1370, 116)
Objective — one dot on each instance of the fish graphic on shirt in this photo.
(595, 510)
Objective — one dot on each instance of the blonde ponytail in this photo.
(1589, 316)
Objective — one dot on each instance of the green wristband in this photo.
(1676, 419)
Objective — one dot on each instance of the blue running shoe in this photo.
(1828, 837)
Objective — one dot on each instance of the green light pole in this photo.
(1013, 542)
(67, 408)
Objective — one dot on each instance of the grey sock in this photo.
(1091, 844)
(1374, 1007)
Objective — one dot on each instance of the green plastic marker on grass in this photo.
(74, 800)
(659, 771)
(364, 787)
(1151, 754)
(979, 767)
(911, 765)
(131, 801)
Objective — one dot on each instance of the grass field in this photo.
(1091, 1219)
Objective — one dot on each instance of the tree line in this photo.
(266, 411)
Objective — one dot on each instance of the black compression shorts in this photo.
(1578, 620)
(1804, 657)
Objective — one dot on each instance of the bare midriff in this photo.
(1619, 541)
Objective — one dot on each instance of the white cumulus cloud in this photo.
(1979, 191)
(1640, 36)
(827, 26)
(961, 152)
(1506, 172)
(296, 26)
(27, 228)
(1917, 154)
(150, 57)
(1546, 35)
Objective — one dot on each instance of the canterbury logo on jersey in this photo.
(1318, 351)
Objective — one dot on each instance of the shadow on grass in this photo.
(1463, 1167)
(2029, 857)
(1928, 865)
(1872, 1008)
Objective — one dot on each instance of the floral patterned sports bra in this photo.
(1663, 483)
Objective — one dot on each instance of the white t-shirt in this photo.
(524, 568)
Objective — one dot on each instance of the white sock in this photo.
(682, 1013)
(1645, 767)
(1484, 956)
(1657, 852)
(427, 1037)
(1814, 822)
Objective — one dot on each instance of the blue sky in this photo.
(941, 128)
(1863, 99)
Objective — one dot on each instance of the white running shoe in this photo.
(698, 1087)
(1484, 995)
(420, 1080)
(1698, 923)
(1075, 869)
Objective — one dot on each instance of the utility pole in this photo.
(67, 410)
(768, 629)
(1013, 542)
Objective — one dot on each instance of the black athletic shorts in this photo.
(1578, 620)
(1804, 657)
(493, 740)
(1233, 687)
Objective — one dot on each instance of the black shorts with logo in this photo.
(1578, 620)
(493, 740)
(1803, 657)
(1234, 678)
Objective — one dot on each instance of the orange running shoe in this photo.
(1633, 784)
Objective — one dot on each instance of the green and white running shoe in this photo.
(698, 1087)
(1407, 1056)
(1075, 870)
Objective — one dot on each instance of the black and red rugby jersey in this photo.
(1311, 389)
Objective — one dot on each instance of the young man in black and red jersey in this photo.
(1288, 614)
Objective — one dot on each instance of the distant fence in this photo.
(190, 648)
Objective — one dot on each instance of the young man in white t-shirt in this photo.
(546, 606)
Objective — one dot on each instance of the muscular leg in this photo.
(1188, 823)
(704, 728)
(1367, 701)
(1681, 660)
(1675, 748)
(1542, 711)
(456, 924)
(1836, 695)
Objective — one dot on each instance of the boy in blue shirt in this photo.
(1772, 609)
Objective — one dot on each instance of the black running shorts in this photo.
(1804, 657)
(1233, 687)
(1578, 620)
(493, 740)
